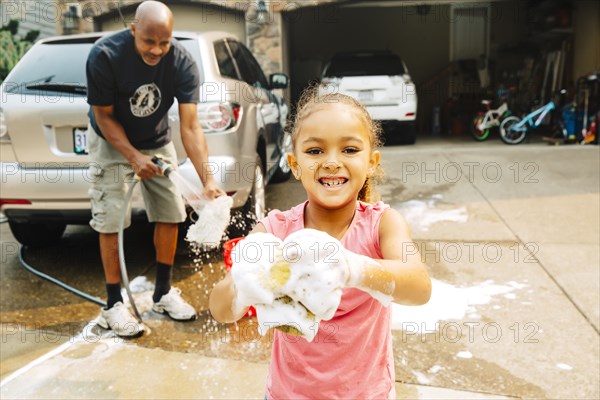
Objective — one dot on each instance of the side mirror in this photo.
(278, 81)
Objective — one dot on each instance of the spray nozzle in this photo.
(164, 167)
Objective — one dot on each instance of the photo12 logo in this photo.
(471, 252)
(454, 332)
(473, 171)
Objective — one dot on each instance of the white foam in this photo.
(421, 215)
(311, 293)
(292, 314)
(213, 219)
(447, 303)
(565, 367)
(252, 259)
(435, 369)
(422, 378)
(464, 354)
(314, 280)
(140, 284)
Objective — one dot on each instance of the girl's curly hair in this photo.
(316, 96)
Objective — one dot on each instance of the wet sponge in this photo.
(292, 294)
(213, 219)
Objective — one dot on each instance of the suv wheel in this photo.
(37, 234)
(255, 208)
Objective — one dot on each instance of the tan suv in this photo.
(43, 143)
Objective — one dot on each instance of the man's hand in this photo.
(144, 167)
(212, 190)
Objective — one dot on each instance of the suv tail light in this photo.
(218, 117)
(4, 137)
(14, 201)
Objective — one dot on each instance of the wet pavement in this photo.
(510, 234)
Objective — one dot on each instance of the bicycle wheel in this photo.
(479, 134)
(510, 135)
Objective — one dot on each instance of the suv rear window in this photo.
(364, 64)
(191, 45)
(52, 63)
(62, 62)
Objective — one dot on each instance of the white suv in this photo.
(380, 81)
(43, 119)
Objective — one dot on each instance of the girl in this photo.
(335, 158)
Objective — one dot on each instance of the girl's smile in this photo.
(332, 182)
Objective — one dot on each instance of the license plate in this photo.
(365, 95)
(80, 143)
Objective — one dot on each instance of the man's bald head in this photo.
(152, 31)
(153, 12)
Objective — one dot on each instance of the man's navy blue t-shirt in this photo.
(140, 94)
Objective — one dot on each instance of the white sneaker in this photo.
(174, 306)
(119, 319)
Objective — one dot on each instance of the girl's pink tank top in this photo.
(351, 357)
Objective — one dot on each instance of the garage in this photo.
(457, 53)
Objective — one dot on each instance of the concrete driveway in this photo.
(511, 235)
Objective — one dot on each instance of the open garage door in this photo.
(315, 34)
(419, 35)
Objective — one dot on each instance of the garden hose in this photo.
(51, 279)
(166, 170)
(124, 276)
(122, 265)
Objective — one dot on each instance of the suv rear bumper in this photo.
(61, 194)
(396, 112)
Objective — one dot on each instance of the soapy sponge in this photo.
(213, 219)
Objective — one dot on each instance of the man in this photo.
(133, 77)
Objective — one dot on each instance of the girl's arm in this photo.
(403, 260)
(222, 298)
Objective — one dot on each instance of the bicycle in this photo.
(484, 121)
(514, 129)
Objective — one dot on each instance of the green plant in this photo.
(12, 48)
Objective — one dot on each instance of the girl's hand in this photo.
(255, 261)
(320, 263)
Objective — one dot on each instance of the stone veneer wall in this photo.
(264, 41)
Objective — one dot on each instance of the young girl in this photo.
(336, 160)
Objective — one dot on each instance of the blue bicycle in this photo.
(514, 129)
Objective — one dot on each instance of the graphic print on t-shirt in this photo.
(145, 101)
